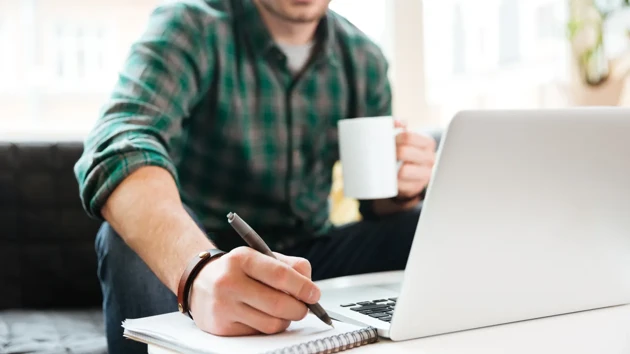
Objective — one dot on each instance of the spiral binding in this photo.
(333, 344)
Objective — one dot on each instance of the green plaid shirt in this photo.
(206, 94)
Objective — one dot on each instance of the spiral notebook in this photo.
(178, 333)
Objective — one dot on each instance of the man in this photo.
(232, 106)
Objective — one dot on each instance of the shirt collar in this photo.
(261, 40)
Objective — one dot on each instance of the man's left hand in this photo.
(417, 154)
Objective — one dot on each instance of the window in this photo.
(616, 35)
(509, 32)
(7, 54)
(371, 17)
(4, 45)
(80, 53)
(63, 57)
(459, 41)
(494, 54)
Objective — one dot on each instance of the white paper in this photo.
(177, 332)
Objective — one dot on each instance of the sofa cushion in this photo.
(77, 332)
(47, 257)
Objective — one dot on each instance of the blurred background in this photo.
(59, 58)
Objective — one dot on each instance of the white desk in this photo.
(604, 331)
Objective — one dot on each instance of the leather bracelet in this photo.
(185, 282)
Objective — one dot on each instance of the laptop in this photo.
(527, 216)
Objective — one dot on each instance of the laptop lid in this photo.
(527, 215)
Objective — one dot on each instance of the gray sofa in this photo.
(50, 299)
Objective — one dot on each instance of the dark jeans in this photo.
(131, 290)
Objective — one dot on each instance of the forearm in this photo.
(126, 175)
(146, 210)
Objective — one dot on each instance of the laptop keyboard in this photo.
(381, 309)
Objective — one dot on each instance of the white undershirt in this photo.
(297, 55)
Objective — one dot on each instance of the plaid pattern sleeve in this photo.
(156, 90)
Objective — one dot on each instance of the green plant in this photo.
(585, 30)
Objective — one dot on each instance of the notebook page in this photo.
(181, 332)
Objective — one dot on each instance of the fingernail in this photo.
(313, 295)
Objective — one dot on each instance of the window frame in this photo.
(8, 77)
(66, 47)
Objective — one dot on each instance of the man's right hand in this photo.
(245, 292)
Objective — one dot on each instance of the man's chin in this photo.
(302, 19)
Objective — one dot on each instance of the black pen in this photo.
(256, 242)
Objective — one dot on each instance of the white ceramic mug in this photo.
(367, 150)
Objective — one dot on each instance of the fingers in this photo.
(414, 139)
(278, 275)
(418, 155)
(415, 155)
(400, 123)
(260, 321)
(302, 265)
(271, 301)
(234, 329)
(407, 189)
(246, 292)
(414, 173)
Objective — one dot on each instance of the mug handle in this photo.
(399, 164)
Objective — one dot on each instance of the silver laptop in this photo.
(527, 216)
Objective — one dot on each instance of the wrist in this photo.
(182, 249)
(195, 265)
(182, 253)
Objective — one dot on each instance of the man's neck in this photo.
(287, 32)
